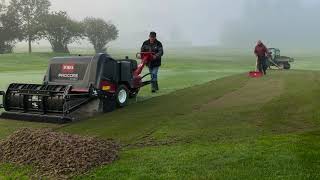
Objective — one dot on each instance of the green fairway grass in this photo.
(210, 120)
(255, 136)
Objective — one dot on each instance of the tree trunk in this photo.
(58, 47)
(29, 42)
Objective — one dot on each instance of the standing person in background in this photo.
(155, 46)
(261, 51)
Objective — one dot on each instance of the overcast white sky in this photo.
(204, 22)
(197, 21)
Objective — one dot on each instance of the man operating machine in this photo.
(155, 46)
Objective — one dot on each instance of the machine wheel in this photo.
(107, 105)
(286, 66)
(122, 96)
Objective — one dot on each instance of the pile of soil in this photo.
(57, 154)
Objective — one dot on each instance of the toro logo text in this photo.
(67, 68)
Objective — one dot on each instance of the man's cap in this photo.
(153, 34)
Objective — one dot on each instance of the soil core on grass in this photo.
(57, 154)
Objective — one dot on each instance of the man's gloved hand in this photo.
(154, 56)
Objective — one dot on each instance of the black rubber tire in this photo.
(107, 105)
(286, 66)
(121, 89)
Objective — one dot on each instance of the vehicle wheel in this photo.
(107, 105)
(286, 66)
(122, 96)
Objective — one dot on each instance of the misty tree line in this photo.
(31, 21)
(277, 22)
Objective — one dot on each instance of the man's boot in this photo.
(157, 86)
(153, 87)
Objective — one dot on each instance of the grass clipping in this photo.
(57, 154)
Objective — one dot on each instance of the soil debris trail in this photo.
(56, 154)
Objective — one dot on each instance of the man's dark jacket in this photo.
(157, 48)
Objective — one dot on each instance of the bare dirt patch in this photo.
(56, 154)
